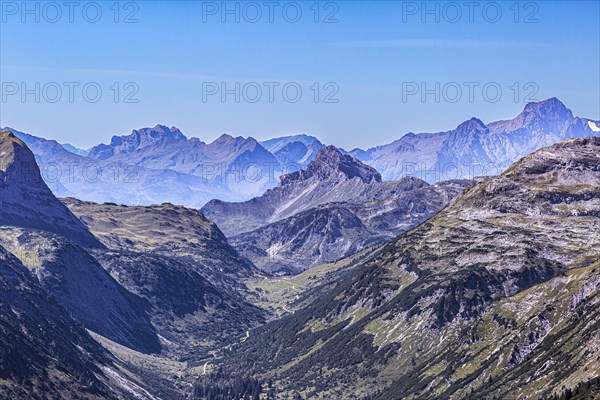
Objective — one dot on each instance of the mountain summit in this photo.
(330, 162)
(330, 177)
(158, 136)
(26, 201)
(496, 296)
(477, 149)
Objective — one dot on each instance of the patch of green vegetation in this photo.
(278, 294)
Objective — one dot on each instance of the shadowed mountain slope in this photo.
(494, 297)
(44, 353)
(181, 265)
(26, 201)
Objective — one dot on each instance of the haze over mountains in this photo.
(474, 148)
(494, 297)
(161, 164)
(164, 281)
(484, 288)
(334, 208)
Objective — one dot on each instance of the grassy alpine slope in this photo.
(495, 295)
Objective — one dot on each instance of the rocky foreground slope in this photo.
(494, 297)
(181, 265)
(160, 279)
(44, 352)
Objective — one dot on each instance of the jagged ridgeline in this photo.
(496, 297)
(160, 164)
(334, 208)
(157, 283)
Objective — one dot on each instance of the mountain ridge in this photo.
(425, 315)
(238, 169)
(26, 201)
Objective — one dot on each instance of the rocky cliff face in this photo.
(330, 210)
(330, 177)
(316, 236)
(332, 231)
(26, 201)
(483, 300)
(139, 141)
(237, 165)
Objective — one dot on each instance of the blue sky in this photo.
(374, 58)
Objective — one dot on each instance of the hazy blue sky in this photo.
(369, 56)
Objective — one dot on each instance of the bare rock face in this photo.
(26, 201)
(330, 164)
(496, 296)
(181, 266)
(316, 236)
(329, 232)
(335, 207)
(159, 136)
(330, 177)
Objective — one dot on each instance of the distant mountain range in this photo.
(160, 164)
(495, 297)
(156, 280)
(474, 148)
(482, 288)
(334, 208)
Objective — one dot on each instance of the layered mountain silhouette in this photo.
(158, 279)
(494, 297)
(404, 285)
(68, 174)
(334, 208)
(183, 268)
(331, 177)
(160, 164)
(474, 148)
(26, 201)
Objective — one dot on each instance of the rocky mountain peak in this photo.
(330, 160)
(228, 141)
(17, 163)
(157, 136)
(26, 201)
(577, 158)
(551, 110)
(471, 125)
(145, 136)
(225, 137)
